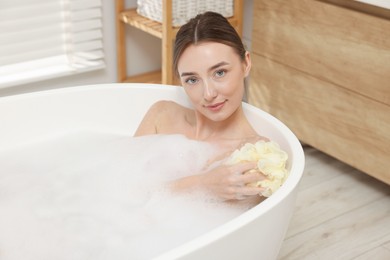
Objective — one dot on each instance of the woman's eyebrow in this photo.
(219, 64)
(187, 74)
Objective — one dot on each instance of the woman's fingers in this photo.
(246, 192)
(243, 167)
(244, 181)
(234, 181)
(246, 173)
(252, 177)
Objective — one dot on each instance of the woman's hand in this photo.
(230, 182)
(226, 182)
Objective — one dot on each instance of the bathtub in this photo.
(119, 108)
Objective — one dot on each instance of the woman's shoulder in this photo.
(164, 105)
(161, 117)
(167, 108)
(256, 138)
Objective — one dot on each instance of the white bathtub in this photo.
(118, 108)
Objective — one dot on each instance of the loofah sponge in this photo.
(271, 161)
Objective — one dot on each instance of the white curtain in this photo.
(42, 39)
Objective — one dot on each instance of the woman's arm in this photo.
(224, 182)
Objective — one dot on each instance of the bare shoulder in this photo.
(253, 137)
(166, 105)
(258, 138)
(159, 117)
(164, 109)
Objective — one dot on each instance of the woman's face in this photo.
(213, 77)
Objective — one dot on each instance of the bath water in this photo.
(91, 195)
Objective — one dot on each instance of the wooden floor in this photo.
(340, 213)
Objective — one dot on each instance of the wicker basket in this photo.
(183, 10)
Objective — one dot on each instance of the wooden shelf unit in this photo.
(165, 31)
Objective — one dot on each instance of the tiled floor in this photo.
(341, 213)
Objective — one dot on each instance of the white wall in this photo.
(143, 53)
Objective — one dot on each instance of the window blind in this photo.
(42, 39)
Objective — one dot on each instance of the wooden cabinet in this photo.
(323, 68)
(165, 31)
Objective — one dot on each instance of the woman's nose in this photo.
(209, 92)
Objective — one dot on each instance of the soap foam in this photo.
(101, 196)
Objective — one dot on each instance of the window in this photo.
(42, 39)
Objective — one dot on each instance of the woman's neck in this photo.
(236, 127)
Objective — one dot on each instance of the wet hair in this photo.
(206, 27)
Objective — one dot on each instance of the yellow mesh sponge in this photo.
(271, 161)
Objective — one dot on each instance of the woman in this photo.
(211, 62)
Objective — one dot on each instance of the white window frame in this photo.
(74, 45)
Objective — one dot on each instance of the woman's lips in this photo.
(216, 107)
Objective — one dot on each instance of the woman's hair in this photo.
(206, 27)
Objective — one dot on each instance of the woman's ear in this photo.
(248, 64)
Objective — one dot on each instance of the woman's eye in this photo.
(191, 81)
(220, 73)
